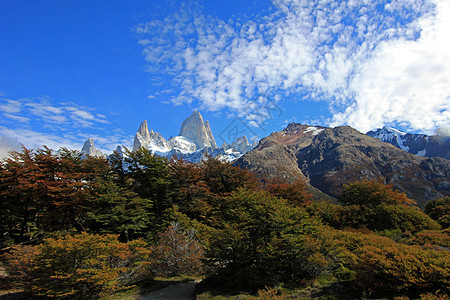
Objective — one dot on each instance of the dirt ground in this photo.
(179, 291)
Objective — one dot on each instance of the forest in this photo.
(90, 228)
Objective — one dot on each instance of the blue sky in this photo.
(70, 70)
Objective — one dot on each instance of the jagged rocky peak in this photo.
(241, 145)
(144, 138)
(90, 150)
(198, 131)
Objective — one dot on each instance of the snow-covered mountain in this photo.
(418, 144)
(194, 143)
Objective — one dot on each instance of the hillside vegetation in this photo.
(91, 228)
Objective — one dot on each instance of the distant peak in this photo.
(198, 131)
(391, 129)
(196, 114)
(90, 141)
(144, 124)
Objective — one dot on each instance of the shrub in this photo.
(439, 210)
(177, 252)
(375, 206)
(79, 266)
(381, 265)
(432, 239)
(372, 192)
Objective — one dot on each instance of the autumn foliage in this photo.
(78, 266)
(87, 228)
(380, 265)
(177, 253)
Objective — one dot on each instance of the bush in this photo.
(380, 265)
(80, 266)
(177, 253)
(432, 239)
(439, 210)
(375, 206)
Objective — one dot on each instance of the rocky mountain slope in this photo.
(330, 157)
(418, 144)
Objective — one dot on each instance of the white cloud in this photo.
(16, 118)
(406, 81)
(36, 122)
(11, 106)
(34, 139)
(374, 62)
(7, 145)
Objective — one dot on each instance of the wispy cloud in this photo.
(356, 55)
(10, 106)
(43, 110)
(35, 122)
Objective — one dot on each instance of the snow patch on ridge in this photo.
(314, 130)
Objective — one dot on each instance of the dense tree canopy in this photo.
(88, 227)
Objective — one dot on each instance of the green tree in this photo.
(439, 210)
(150, 179)
(261, 240)
(373, 205)
(117, 210)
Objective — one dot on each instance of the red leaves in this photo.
(295, 192)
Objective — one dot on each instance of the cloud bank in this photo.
(374, 62)
(35, 122)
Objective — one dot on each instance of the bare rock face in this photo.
(241, 145)
(144, 138)
(90, 150)
(198, 131)
(330, 157)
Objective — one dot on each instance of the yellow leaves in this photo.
(382, 264)
(82, 264)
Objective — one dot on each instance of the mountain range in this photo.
(194, 143)
(418, 144)
(326, 158)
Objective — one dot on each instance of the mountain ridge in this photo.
(327, 158)
(414, 143)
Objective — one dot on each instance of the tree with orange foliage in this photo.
(200, 187)
(372, 192)
(193, 194)
(79, 266)
(295, 192)
(373, 205)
